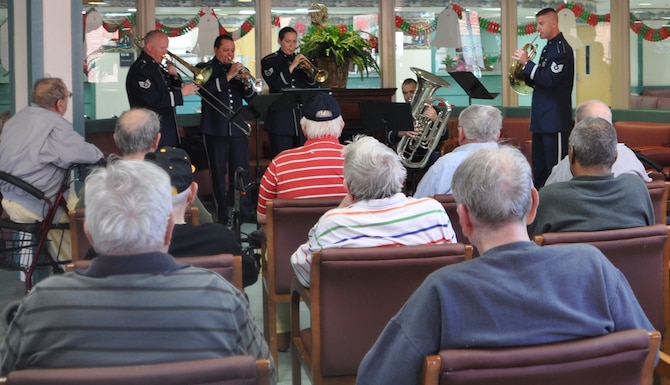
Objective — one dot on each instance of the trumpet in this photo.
(200, 77)
(312, 70)
(246, 77)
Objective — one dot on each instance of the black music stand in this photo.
(379, 116)
(254, 110)
(296, 97)
(472, 86)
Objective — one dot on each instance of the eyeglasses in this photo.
(70, 95)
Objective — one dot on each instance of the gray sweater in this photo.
(591, 203)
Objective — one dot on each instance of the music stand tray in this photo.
(381, 116)
(296, 97)
(255, 108)
(472, 86)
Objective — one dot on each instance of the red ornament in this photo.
(636, 26)
(608, 17)
(343, 28)
(398, 21)
(649, 34)
(577, 10)
(530, 28)
(592, 20)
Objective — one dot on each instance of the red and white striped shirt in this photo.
(311, 171)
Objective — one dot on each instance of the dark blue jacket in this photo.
(229, 94)
(552, 78)
(277, 76)
(148, 85)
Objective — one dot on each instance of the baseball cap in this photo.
(177, 164)
(321, 107)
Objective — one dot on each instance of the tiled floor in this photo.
(8, 293)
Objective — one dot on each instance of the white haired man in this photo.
(515, 293)
(626, 160)
(478, 127)
(375, 212)
(170, 312)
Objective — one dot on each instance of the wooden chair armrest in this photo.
(663, 366)
(432, 367)
(237, 272)
(302, 291)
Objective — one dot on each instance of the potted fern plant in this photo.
(334, 50)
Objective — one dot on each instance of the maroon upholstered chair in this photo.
(80, 243)
(621, 358)
(658, 192)
(447, 201)
(226, 265)
(287, 224)
(641, 253)
(354, 293)
(235, 370)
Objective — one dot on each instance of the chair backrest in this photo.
(358, 290)
(226, 265)
(449, 203)
(621, 358)
(658, 192)
(287, 226)
(641, 253)
(81, 244)
(235, 370)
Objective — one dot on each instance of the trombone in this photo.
(200, 77)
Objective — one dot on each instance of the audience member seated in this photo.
(478, 127)
(311, 171)
(515, 293)
(626, 161)
(38, 145)
(375, 212)
(136, 133)
(188, 240)
(594, 199)
(135, 304)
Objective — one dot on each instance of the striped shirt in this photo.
(108, 316)
(394, 221)
(311, 171)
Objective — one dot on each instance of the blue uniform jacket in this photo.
(228, 93)
(552, 78)
(278, 77)
(148, 85)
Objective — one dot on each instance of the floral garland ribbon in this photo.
(636, 25)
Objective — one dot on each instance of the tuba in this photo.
(516, 77)
(415, 152)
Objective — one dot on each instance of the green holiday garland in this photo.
(637, 26)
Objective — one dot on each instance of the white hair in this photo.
(317, 130)
(128, 205)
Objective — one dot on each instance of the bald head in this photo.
(593, 109)
(136, 131)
